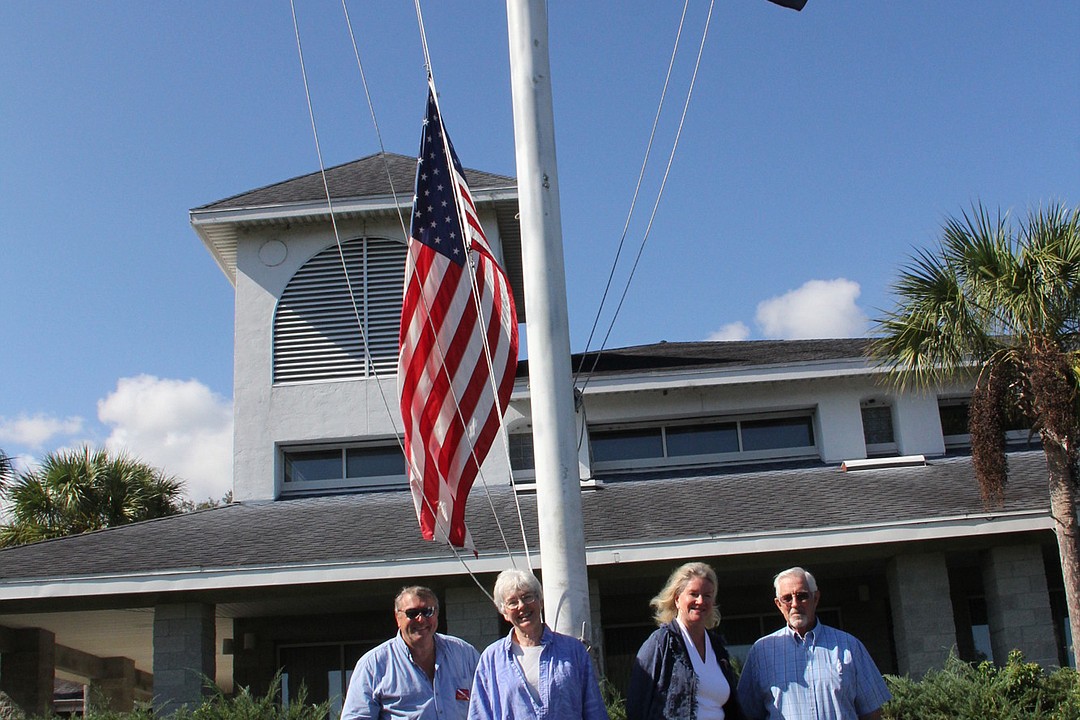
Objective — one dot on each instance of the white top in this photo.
(713, 689)
(528, 656)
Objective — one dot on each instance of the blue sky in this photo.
(819, 150)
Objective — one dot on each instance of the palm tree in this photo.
(7, 470)
(77, 491)
(1002, 300)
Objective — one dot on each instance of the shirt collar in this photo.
(545, 638)
(810, 635)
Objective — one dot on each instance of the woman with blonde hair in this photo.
(683, 671)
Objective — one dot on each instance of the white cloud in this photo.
(731, 331)
(179, 426)
(34, 431)
(818, 309)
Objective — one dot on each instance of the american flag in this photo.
(453, 387)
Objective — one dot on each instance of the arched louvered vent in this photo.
(317, 333)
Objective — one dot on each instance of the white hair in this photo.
(811, 583)
(515, 580)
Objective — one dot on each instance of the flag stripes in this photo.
(458, 349)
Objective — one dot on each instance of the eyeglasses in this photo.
(416, 613)
(513, 602)
(790, 598)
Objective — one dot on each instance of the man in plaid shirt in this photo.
(807, 670)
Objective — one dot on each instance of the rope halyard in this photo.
(405, 234)
(656, 203)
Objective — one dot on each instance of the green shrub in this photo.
(243, 705)
(613, 700)
(960, 691)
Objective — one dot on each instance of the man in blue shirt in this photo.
(418, 673)
(806, 670)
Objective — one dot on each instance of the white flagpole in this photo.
(558, 492)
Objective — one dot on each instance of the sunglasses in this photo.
(416, 613)
(790, 598)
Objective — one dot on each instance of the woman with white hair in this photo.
(533, 672)
(683, 671)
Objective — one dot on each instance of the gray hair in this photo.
(515, 580)
(811, 583)
(424, 593)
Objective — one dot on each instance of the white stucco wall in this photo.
(267, 415)
(917, 425)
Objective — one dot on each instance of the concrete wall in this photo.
(28, 669)
(922, 611)
(1018, 604)
(184, 639)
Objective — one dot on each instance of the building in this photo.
(752, 456)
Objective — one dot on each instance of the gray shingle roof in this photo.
(675, 355)
(369, 176)
(381, 526)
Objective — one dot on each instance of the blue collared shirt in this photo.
(828, 675)
(568, 687)
(388, 684)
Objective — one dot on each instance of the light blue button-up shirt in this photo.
(568, 687)
(828, 675)
(387, 683)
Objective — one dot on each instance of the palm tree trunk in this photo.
(1063, 508)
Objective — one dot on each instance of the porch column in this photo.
(184, 636)
(1018, 604)
(29, 668)
(116, 684)
(923, 626)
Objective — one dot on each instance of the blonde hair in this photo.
(663, 604)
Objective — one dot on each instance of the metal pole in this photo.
(558, 490)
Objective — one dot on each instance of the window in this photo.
(954, 421)
(703, 439)
(521, 452)
(878, 428)
(954, 413)
(611, 445)
(323, 671)
(343, 467)
(980, 630)
(777, 434)
(317, 328)
(681, 442)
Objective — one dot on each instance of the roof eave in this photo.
(219, 228)
(603, 383)
(217, 579)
